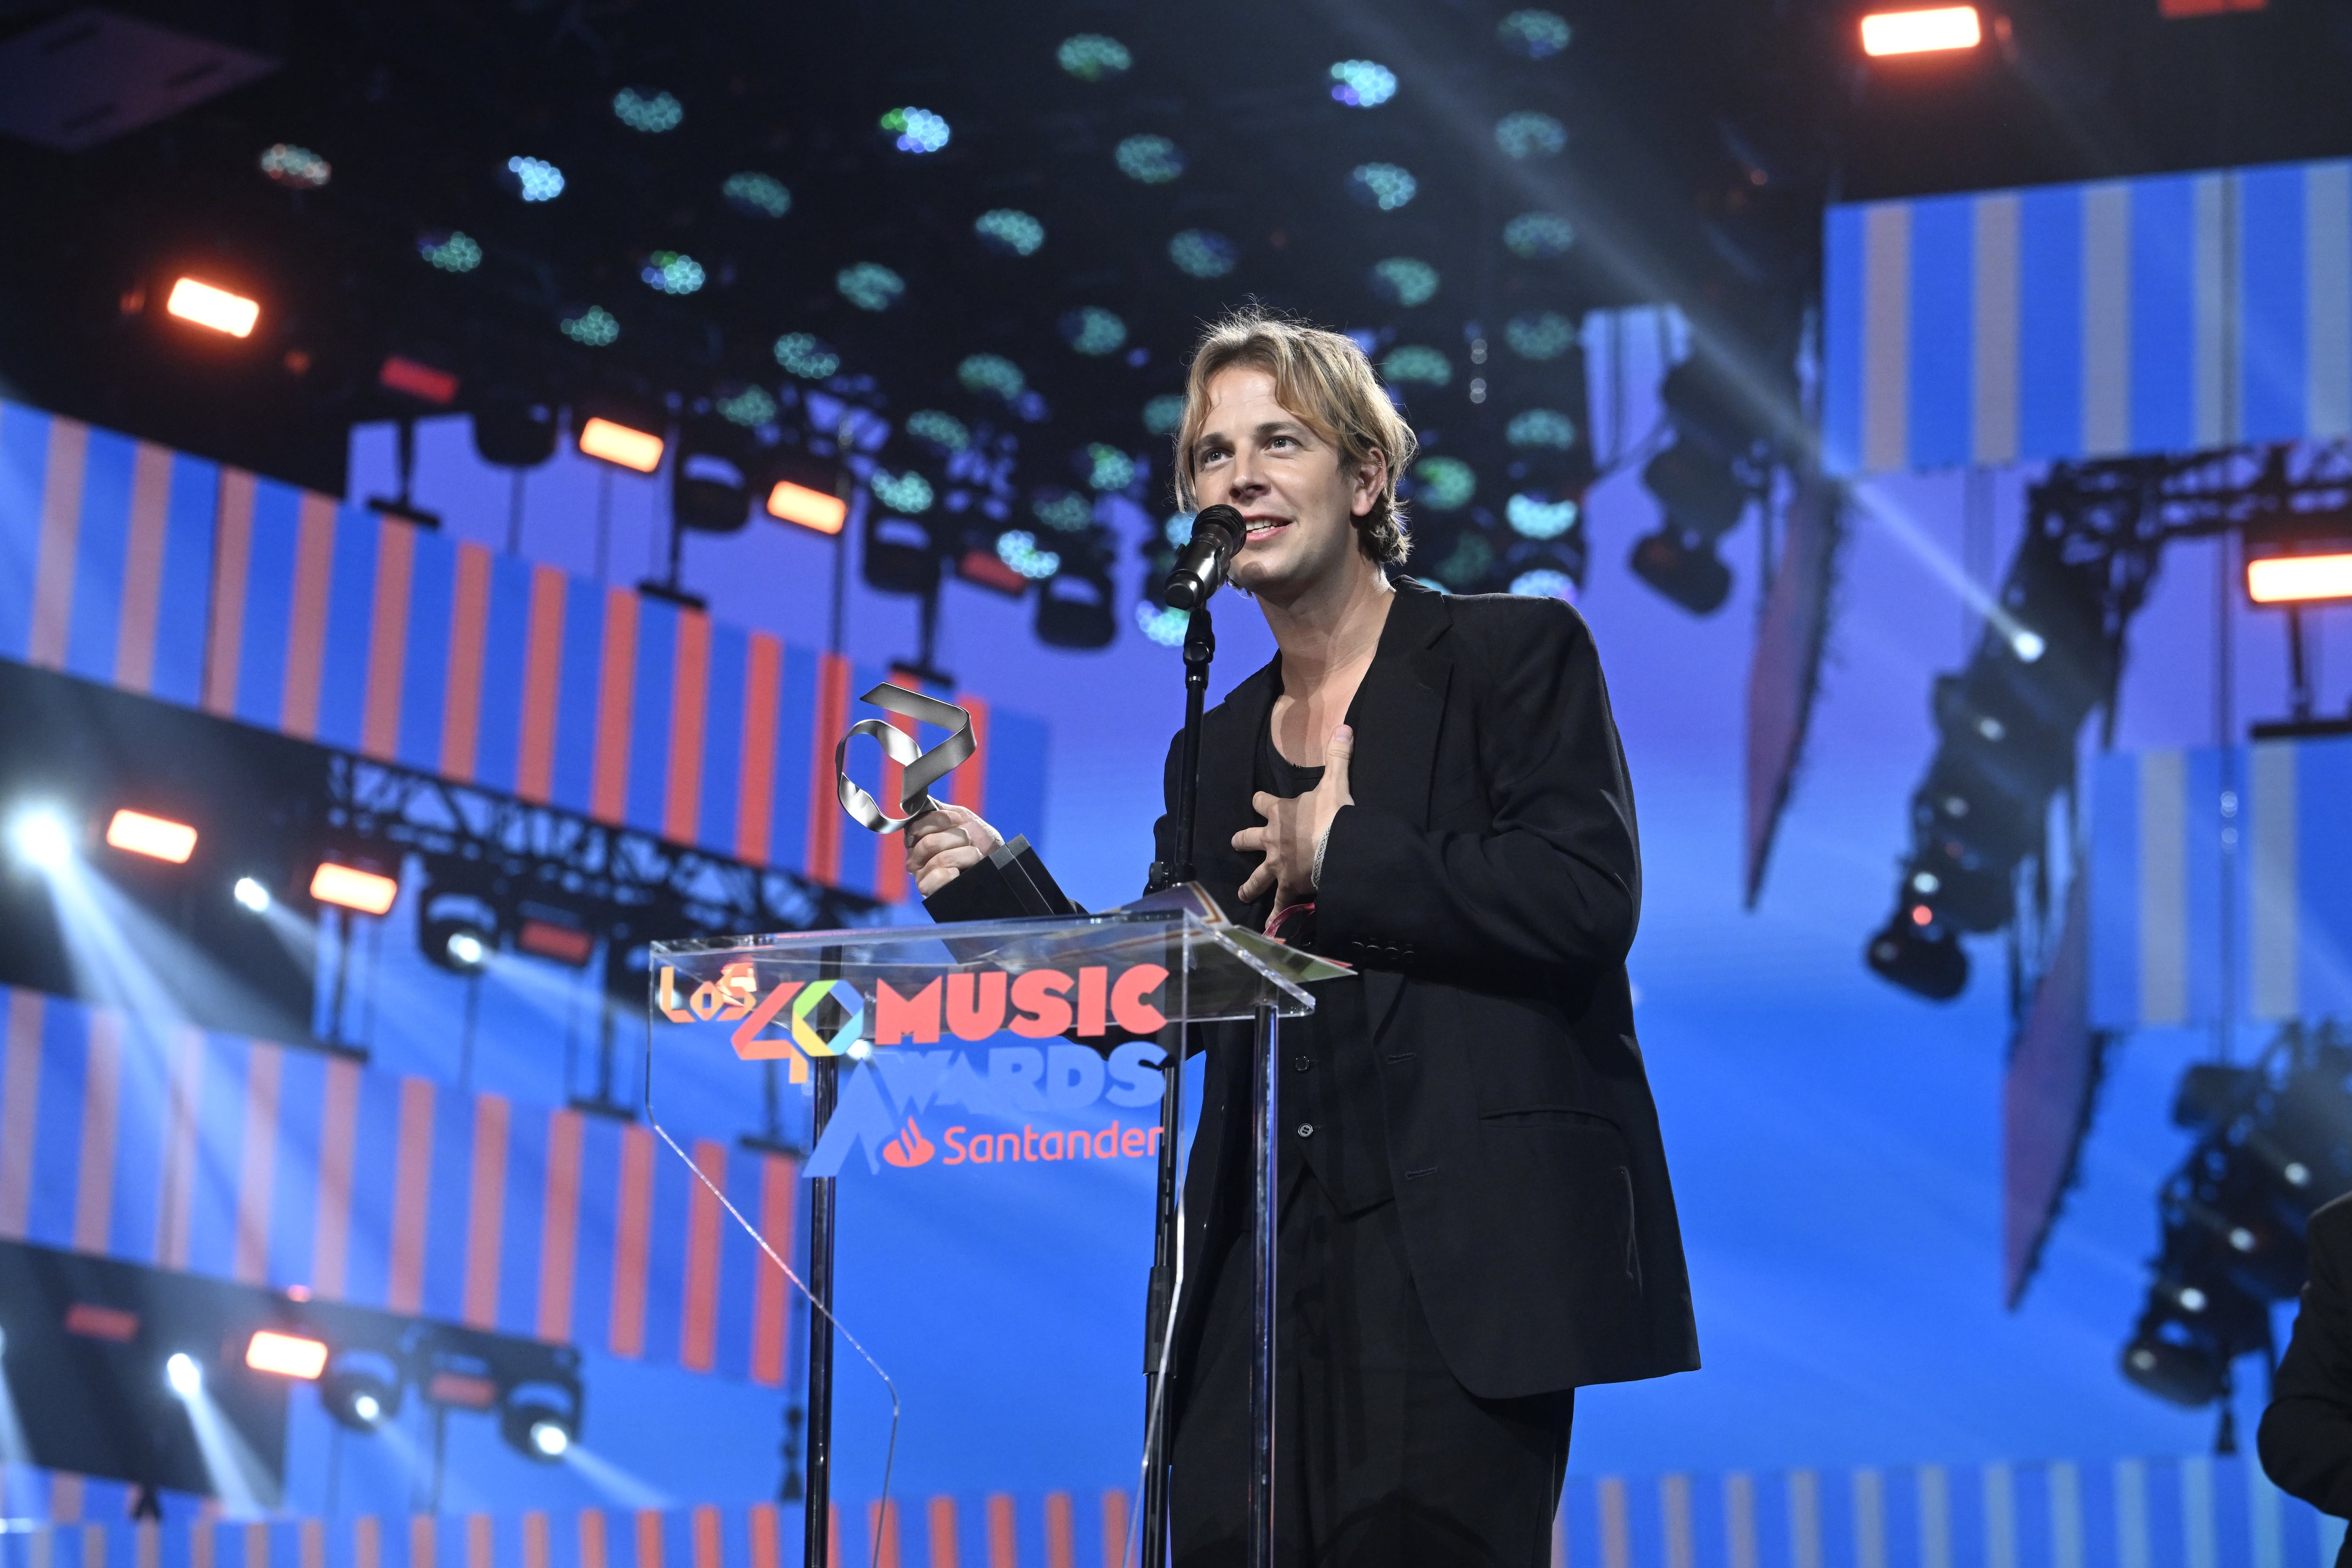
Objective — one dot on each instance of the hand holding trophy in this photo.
(962, 867)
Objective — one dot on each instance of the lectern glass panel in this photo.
(994, 1144)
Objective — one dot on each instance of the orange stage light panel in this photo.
(618, 444)
(2298, 579)
(352, 888)
(216, 308)
(809, 509)
(1921, 32)
(154, 836)
(288, 1355)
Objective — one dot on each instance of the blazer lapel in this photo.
(1229, 735)
(1396, 715)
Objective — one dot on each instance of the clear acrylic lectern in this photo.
(984, 1088)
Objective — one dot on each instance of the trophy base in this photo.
(1010, 884)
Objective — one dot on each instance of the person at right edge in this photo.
(1474, 1213)
(2305, 1439)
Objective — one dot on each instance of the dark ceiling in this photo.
(1702, 138)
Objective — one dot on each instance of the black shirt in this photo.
(1326, 1060)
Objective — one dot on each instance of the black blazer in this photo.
(2305, 1439)
(1486, 882)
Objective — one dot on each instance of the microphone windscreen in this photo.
(1221, 516)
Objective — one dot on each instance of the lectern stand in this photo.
(832, 1003)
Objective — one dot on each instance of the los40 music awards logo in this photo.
(889, 1087)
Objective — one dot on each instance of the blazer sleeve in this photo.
(1556, 879)
(2305, 1439)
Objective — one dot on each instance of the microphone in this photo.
(1201, 567)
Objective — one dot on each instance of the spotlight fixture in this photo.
(625, 447)
(709, 492)
(156, 837)
(184, 1375)
(900, 556)
(457, 929)
(250, 893)
(286, 1356)
(1919, 954)
(40, 838)
(206, 306)
(353, 888)
(1937, 30)
(1074, 607)
(2299, 579)
(541, 1421)
(361, 1388)
(513, 430)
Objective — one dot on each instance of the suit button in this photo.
(1302, 1064)
(1306, 1130)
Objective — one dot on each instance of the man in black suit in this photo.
(1475, 1216)
(2305, 1439)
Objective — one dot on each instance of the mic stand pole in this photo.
(816, 1511)
(1200, 650)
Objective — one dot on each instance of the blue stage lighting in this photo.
(756, 194)
(870, 286)
(451, 250)
(252, 895)
(1545, 583)
(535, 179)
(1444, 484)
(1540, 335)
(1386, 186)
(650, 111)
(1362, 84)
(943, 431)
(1541, 427)
(672, 272)
(1466, 563)
(750, 407)
(1163, 414)
(807, 357)
(1064, 511)
(1017, 548)
(1009, 231)
(1416, 364)
(184, 1374)
(40, 838)
(1530, 135)
(1405, 280)
(297, 168)
(1178, 529)
(1091, 330)
(915, 129)
(1203, 253)
(1539, 237)
(1149, 160)
(591, 326)
(1534, 33)
(1092, 56)
(1106, 468)
(1533, 518)
(908, 493)
(1163, 625)
(992, 375)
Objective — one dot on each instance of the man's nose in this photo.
(1246, 479)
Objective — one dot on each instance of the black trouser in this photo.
(1380, 1456)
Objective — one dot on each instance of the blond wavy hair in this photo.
(1325, 379)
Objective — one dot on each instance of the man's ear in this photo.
(1371, 477)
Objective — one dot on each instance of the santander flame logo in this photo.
(910, 1147)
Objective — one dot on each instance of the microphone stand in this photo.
(1200, 650)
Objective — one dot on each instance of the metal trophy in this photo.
(1012, 882)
